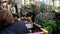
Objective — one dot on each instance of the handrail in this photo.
(46, 32)
(37, 25)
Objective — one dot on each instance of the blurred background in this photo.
(45, 13)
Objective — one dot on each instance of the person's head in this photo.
(6, 17)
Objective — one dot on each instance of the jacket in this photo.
(16, 28)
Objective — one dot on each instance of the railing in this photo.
(38, 29)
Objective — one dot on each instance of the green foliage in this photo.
(48, 8)
(58, 8)
(29, 5)
(49, 26)
(33, 6)
(52, 0)
(26, 8)
(42, 6)
(58, 26)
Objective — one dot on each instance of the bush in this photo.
(58, 8)
(49, 26)
(29, 5)
(58, 26)
(43, 6)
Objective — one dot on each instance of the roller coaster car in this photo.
(37, 29)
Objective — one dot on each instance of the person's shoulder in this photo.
(17, 24)
(20, 24)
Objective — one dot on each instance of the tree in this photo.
(53, 2)
(42, 6)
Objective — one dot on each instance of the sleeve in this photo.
(24, 27)
(21, 28)
(17, 28)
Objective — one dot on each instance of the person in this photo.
(16, 8)
(8, 25)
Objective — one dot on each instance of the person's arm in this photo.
(16, 28)
(24, 27)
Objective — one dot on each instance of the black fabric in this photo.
(16, 28)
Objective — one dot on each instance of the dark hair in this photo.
(6, 17)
